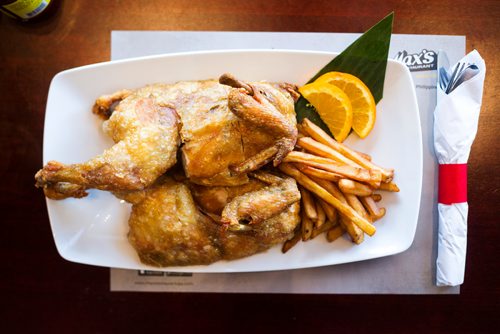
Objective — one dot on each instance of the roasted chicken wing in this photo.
(264, 108)
(254, 207)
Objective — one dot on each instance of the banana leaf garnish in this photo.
(365, 58)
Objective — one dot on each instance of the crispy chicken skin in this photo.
(256, 206)
(146, 136)
(167, 229)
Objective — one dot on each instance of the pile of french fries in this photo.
(337, 186)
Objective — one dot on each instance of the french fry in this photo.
(370, 176)
(308, 158)
(325, 151)
(390, 186)
(320, 173)
(331, 188)
(315, 188)
(364, 155)
(356, 204)
(355, 188)
(337, 185)
(380, 215)
(301, 131)
(287, 245)
(370, 205)
(375, 212)
(321, 136)
(308, 204)
(325, 227)
(334, 233)
(330, 212)
(306, 227)
(355, 232)
(321, 216)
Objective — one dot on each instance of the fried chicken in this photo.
(224, 130)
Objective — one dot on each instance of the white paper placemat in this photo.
(411, 272)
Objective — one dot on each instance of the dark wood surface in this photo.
(43, 292)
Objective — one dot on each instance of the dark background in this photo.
(42, 292)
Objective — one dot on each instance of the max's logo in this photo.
(426, 60)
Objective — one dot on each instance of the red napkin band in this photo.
(452, 183)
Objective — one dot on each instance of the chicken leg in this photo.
(146, 136)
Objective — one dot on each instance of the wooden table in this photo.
(43, 292)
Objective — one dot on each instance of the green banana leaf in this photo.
(365, 58)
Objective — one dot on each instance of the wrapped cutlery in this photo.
(459, 97)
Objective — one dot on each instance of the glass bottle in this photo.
(27, 10)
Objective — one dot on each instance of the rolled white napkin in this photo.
(455, 127)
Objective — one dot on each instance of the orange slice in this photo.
(332, 105)
(363, 104)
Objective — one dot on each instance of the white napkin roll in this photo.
(455, 127)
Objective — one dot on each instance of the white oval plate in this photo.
(94, 230)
